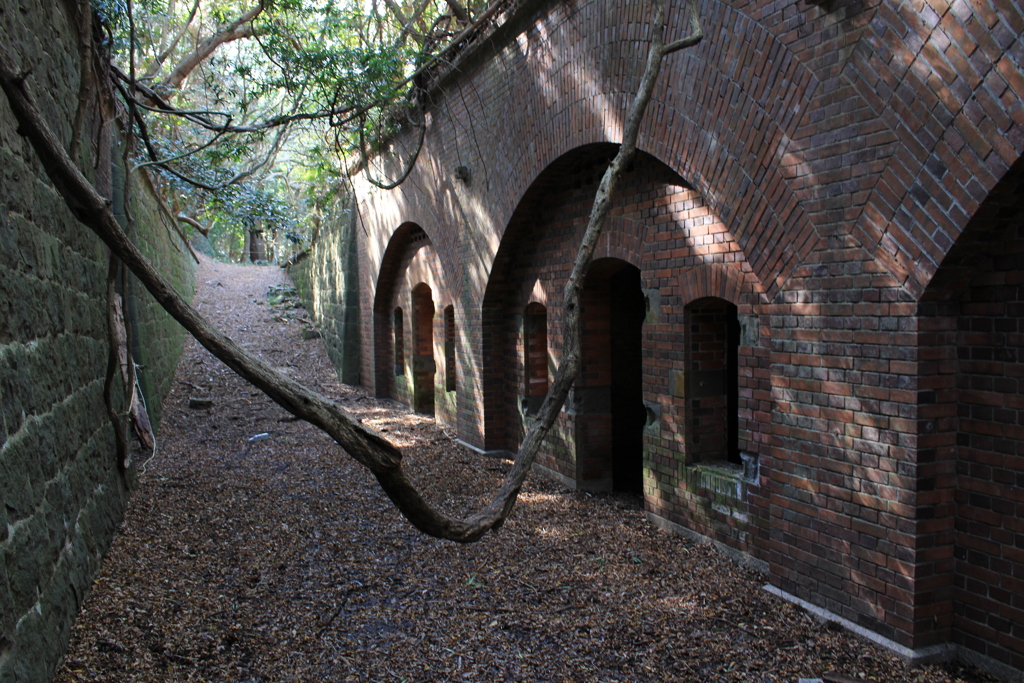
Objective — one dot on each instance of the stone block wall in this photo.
(157, 339)
(327, 282)
(62, 490)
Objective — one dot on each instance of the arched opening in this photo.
(410, 280)
(609, 391)
(712, 382)
(535, 360)
(449, 349)
(399, 353)
(423, 366)
(533, 260)
(970, 408)
(408, 259)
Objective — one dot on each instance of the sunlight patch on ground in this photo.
(679, 605)
(548, 498)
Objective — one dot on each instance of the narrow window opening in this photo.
(449, 348)
(535, 344)
(713, 381)
(399, 330)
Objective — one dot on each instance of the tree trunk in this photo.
(257, 246)
(246, 248)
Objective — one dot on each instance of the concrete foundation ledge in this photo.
(1003, 672)
(500, 453)
(738, 556)
(925, 655)
(565, 481)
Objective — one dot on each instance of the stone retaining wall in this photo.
(63, 493)
(327, 282)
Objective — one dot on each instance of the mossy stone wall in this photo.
(62, 492)
(328, 283)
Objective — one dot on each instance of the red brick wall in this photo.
(974, 468)
(830, 156)
(843, 373)
(413, 281)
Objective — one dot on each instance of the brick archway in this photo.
(969, 408)
(411, 288)
(712, 280)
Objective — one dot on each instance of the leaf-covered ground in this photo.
(255, 550)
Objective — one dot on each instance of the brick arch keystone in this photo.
(711, 279)
(621, 239)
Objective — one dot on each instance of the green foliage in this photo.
(339, 70)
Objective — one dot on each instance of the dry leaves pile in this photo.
(256, 550)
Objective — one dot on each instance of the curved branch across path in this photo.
(368, 447)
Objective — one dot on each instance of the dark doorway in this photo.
(628, 309)
(609, 391)
(423, 365)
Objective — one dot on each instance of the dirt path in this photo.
(255, 550)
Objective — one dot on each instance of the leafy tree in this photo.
(219, 89)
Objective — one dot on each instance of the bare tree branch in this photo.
(696, 32)
(236, 30)
(159, 105)
(203, 230)
(184, 155)
(384, 184)
(407, 23)
(458, 11)
(397, 11)
(154, 68)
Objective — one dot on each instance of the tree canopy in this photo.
(264, 105)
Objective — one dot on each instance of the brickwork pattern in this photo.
(970, 463)
(832, 155)
(843, 373)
